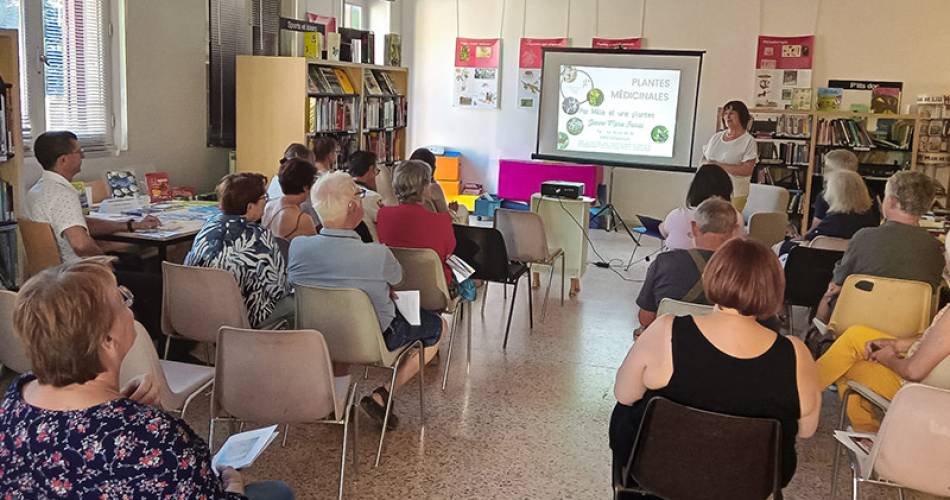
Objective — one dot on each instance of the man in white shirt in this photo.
(362, 168)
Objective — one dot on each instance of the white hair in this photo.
(715, 215)
(846, 192)
(331, 197)
(840, 159)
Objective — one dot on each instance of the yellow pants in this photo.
(845, 361)
(739, 202)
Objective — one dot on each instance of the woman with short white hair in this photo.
(834, 160)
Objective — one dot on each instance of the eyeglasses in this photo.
(361, 192)
(128, 298)
(265, 197)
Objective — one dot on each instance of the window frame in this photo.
(347, 17)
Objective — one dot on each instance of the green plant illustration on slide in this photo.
(577, 89)
(660, 134)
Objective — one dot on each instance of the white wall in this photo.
(905, 42)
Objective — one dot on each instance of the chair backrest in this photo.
(197, 301)
(829, 243)
(683, 452)
(768, 227)
(807, 274)
(680, 308)
(422, 270)
(40, 244)
(12, 353)
(765, 198)
(913, 444)
(901, 308)
(484, 249)
(523, 233)
(346, 318)
(273, 376)
(141, 359)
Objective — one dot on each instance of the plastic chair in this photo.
(281, 377)
(422, 270)
(768, 227)
(684, 452)
(807, 274)
(40, 244)
(765, 198)
(902, 308)
(829, 243)
(484, 249)
(912, 448)
(680, 308)
(197, 301)
(179, 383)
(527, 243)
(349, 324)
(12, 353)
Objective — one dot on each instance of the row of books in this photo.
(327, 80)
(328, 114)
(844, 132)
(788, 153)
(782, 126)
(6, 122)
(796, 203)
(379, 83)
(383, 143)
(381, 113)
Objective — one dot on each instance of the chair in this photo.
(484, 249)
(527, 243)
(901, 308)
(197, 301)
(422, 270)
(680, 308)
(281, 377)
(682, 452)
(912, 448)
(349, 324)
(179, 383)
(807, 274)
(12, 353)
(829, 243)
(765, 198)
(40, 245)
(768, 227)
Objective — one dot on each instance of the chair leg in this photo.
(355, 415)
(283, 442)
(547, 293)
(837, 453)
(511, 312)
(530, 302)
(389, 407)
(456, 321)
(484, 298)
(422, 387)
(211, 437)
(468, 333)
(900, 493)
(562, 279)
(168, 343)
(855, 484)
(346, 428)
(193, 395)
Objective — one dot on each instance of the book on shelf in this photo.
(390, 83)
(846, 132)
(783, 153)
(383, 143)
(344, 80)
(392, 53)
(332, 80)
(782, 127)
(333, 46)
(383, 83)
(829, 98)
(317, 83)
(372, 86)
(885, 100)
(332, 114)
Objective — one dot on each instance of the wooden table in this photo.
(566, 223)
(180, 224)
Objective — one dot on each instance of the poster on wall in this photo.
(329, 22)
(477, 72)
(783, 72)
(529, 69)
(617, 43)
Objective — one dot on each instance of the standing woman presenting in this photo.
(734, 150)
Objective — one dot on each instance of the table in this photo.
(566, 223)
(180, 223)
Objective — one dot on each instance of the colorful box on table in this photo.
(486, 205)
(450, 188)
(447, 166)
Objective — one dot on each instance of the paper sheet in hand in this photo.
(459, 268)
(241, 450)
(407, 302)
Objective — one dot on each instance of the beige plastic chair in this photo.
(765, 198)
(829, 243)
(40, 244)
(197, 301)
(12, 353)
(912, 448)
(902, 308)
(527, 243)
(680, 308)
(422, 270)
(768, 227)
(179, 383)
(279, 377)
(348, 321)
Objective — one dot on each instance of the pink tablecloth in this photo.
(519, 179)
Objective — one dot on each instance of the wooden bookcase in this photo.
(273, 109)
(11, 170)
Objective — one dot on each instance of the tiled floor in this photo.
(527, 423)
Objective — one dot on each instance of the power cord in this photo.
(603, 263)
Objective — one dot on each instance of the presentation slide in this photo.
(621, 111)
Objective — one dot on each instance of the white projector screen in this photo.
(626, 109)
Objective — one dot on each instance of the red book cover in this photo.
(158, 189)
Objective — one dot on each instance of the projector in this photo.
(562, 189)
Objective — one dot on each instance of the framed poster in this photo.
(477, 72)
(529, 69)
(783, 72)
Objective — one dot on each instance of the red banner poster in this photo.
(617, 43)
(791, 52)
(477, 78)
(477, 52)
(530, 57)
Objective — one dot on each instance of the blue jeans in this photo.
(268, 490)
(400, 332)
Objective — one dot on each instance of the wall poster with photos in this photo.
(783, 72)
(477, 73)
(529, 69)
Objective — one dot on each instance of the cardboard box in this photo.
(447, 166)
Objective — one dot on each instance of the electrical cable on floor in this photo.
(604, 263)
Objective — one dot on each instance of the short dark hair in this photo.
(746, 276)
(710, 180)
(742, 110)
(296, 150)
(235, 191)
(323, 148)
(425, 155)
(296, 175)
(49, 146)
(360, 162)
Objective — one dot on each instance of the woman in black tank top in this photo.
(724, 362)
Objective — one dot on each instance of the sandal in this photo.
(378, 411)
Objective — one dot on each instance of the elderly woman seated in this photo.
(68, 430)
(235, 241)
(284, 216)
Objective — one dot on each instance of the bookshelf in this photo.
(11, 164)
(281, 100)
(933, 152)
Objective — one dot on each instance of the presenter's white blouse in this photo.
(738, 150)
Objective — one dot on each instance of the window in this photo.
(352, 16)
(66, 71)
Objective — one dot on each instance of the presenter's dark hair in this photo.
(360, 162)
(710, 180)
(49, 146)
(740, 108)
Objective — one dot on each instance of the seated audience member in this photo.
(725, 361)
(678, 274)
(410, 224)
(362, 167)
(710, 180)
(295, 150)
(898, 248)
(850, 208)
(283, 216)
(68, 430)
(235, 241)
(834, 160)
(337, 258)
(434, 198)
